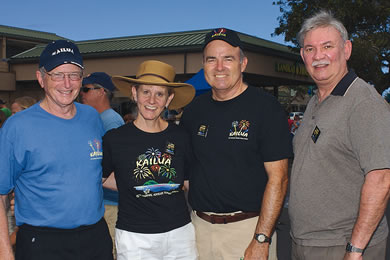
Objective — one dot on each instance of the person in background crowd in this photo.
(4, 108)
(97, 91)
(128, 118)
(51, 155)
(241, 144)
(289, 121)
(340, 180)
(149, 158)
(295, 125)
(3, 117)
(21, 103)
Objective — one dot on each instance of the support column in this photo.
(3, 55)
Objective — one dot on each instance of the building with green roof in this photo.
(270, 64)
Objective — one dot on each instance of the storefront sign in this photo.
(296, 69)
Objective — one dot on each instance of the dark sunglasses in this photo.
(85, 89)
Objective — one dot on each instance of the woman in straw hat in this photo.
(148, 157)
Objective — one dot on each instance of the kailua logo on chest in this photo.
(239, 130)
(155, 173)
(96, 147)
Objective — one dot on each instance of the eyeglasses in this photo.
(60, 76)
(85, 89)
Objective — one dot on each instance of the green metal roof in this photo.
(26, 34)
(189, 41)
(143, 42)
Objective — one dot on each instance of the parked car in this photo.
(293, 114)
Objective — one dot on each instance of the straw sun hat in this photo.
(153, 72)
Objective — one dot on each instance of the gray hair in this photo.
(109, 94)
(42, 71)
(242, 55)
(321, 19)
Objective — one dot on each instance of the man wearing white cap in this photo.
(51, 156)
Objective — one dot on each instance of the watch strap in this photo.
(351, 248)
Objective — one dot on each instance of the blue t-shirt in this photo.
(111, 120)
(54, 165)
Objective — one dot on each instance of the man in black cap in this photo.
(97, 91)
(241, 143)
(51, 156)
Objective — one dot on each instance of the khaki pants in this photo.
(226, 241)
(111, 215)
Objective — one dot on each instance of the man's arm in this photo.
(5, 244)
(110, 182)
(186, 186)
(271, 205)
(374, 197)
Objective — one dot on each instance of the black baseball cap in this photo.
(60, 52)
(223, 34)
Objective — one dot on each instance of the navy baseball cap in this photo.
(60, 52)
(101, 78)
(223, 34)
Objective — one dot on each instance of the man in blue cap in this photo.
(51, 157)
(97, 91)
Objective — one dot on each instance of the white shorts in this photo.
(175, 244)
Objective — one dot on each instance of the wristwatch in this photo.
(262, 238)
(350, 248)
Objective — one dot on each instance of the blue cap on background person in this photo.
(223, 34)
(101, 78)
(60, 52)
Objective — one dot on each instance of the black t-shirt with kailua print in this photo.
(231, 140)
(150, 169)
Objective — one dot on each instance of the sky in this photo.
(97, 19)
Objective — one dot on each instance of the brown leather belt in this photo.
(224, 219)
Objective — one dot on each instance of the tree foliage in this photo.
(368, 25)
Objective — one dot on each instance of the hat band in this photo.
(152, 74)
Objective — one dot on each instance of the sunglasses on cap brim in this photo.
(85, 89)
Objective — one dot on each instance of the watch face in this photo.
(261, 238)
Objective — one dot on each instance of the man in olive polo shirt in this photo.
(340, 178)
